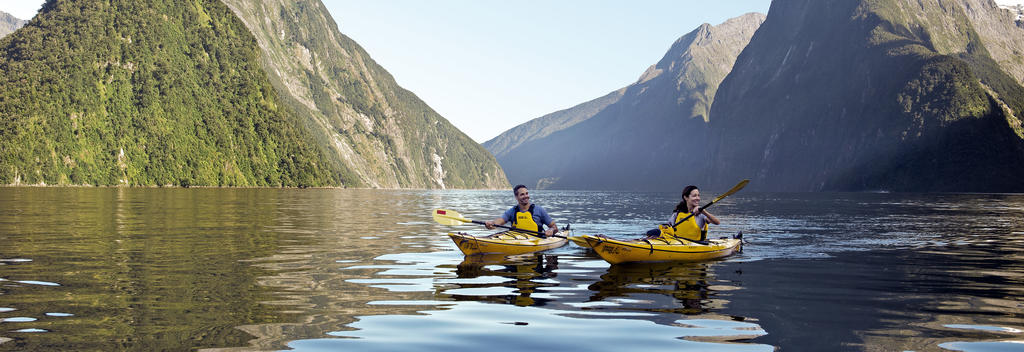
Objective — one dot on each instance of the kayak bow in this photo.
(659, 250)
(507, 242)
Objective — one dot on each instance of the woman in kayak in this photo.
(695, 227)
(525, 215)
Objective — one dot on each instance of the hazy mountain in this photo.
(902, 95)
(173, 92)
(545, 125)
(361, 119)
(9, 24)
(640, 137)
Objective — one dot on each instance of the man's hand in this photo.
(489, 224)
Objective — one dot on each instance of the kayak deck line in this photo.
(507, 242)
(645, 250)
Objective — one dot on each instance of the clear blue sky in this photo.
(489, 65)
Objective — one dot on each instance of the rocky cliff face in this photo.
(9, 24)
(645, 136)
(194, 93)
(894, 95)
(380, 134)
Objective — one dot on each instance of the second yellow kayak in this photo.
(658, 250)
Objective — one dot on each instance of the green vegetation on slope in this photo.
(359, 116)
(158, 92)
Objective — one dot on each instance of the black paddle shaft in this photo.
(542, 235)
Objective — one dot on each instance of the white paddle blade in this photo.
(448, 217)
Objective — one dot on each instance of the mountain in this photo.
(380, 133)
(174, 92)
(9, 24)
(640, 137)
(895, 95)
(131, 92)
(545, 125)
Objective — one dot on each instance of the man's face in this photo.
(523, 196)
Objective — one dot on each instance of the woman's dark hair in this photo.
(681, 207)
(515, 190)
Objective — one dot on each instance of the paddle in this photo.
(451, 217)
(734, 189)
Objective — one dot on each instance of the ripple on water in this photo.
(986, 346)
(41, 283)
(473, 325)
(18, 320)
(985, 328)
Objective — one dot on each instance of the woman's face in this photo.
(694, 199)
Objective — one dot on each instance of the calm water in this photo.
(364, 270)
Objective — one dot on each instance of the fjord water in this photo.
(330, 269)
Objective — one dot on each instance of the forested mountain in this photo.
(381, 134)
(146, 93)
(174, 92)
(642, 137)
(9, 24)
(900, 95)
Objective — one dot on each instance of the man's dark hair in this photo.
(515, 190)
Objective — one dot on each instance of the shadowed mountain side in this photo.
(9, 24)
(650, 138)
(379, 133)
(870, 95)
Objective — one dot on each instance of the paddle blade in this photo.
(449, 217)
(734, 189)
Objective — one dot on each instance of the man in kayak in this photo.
(695, 227)
(525, 215)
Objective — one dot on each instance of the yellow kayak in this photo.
(579, 241)
(659, 250)
(508, 242)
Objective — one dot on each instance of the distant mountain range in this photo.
(636, 137)
(9, 23)
(212, 93)
(888, 95)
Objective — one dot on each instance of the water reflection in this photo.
(144, 269)
(679, 288)
(135, 269)
(522, 275)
